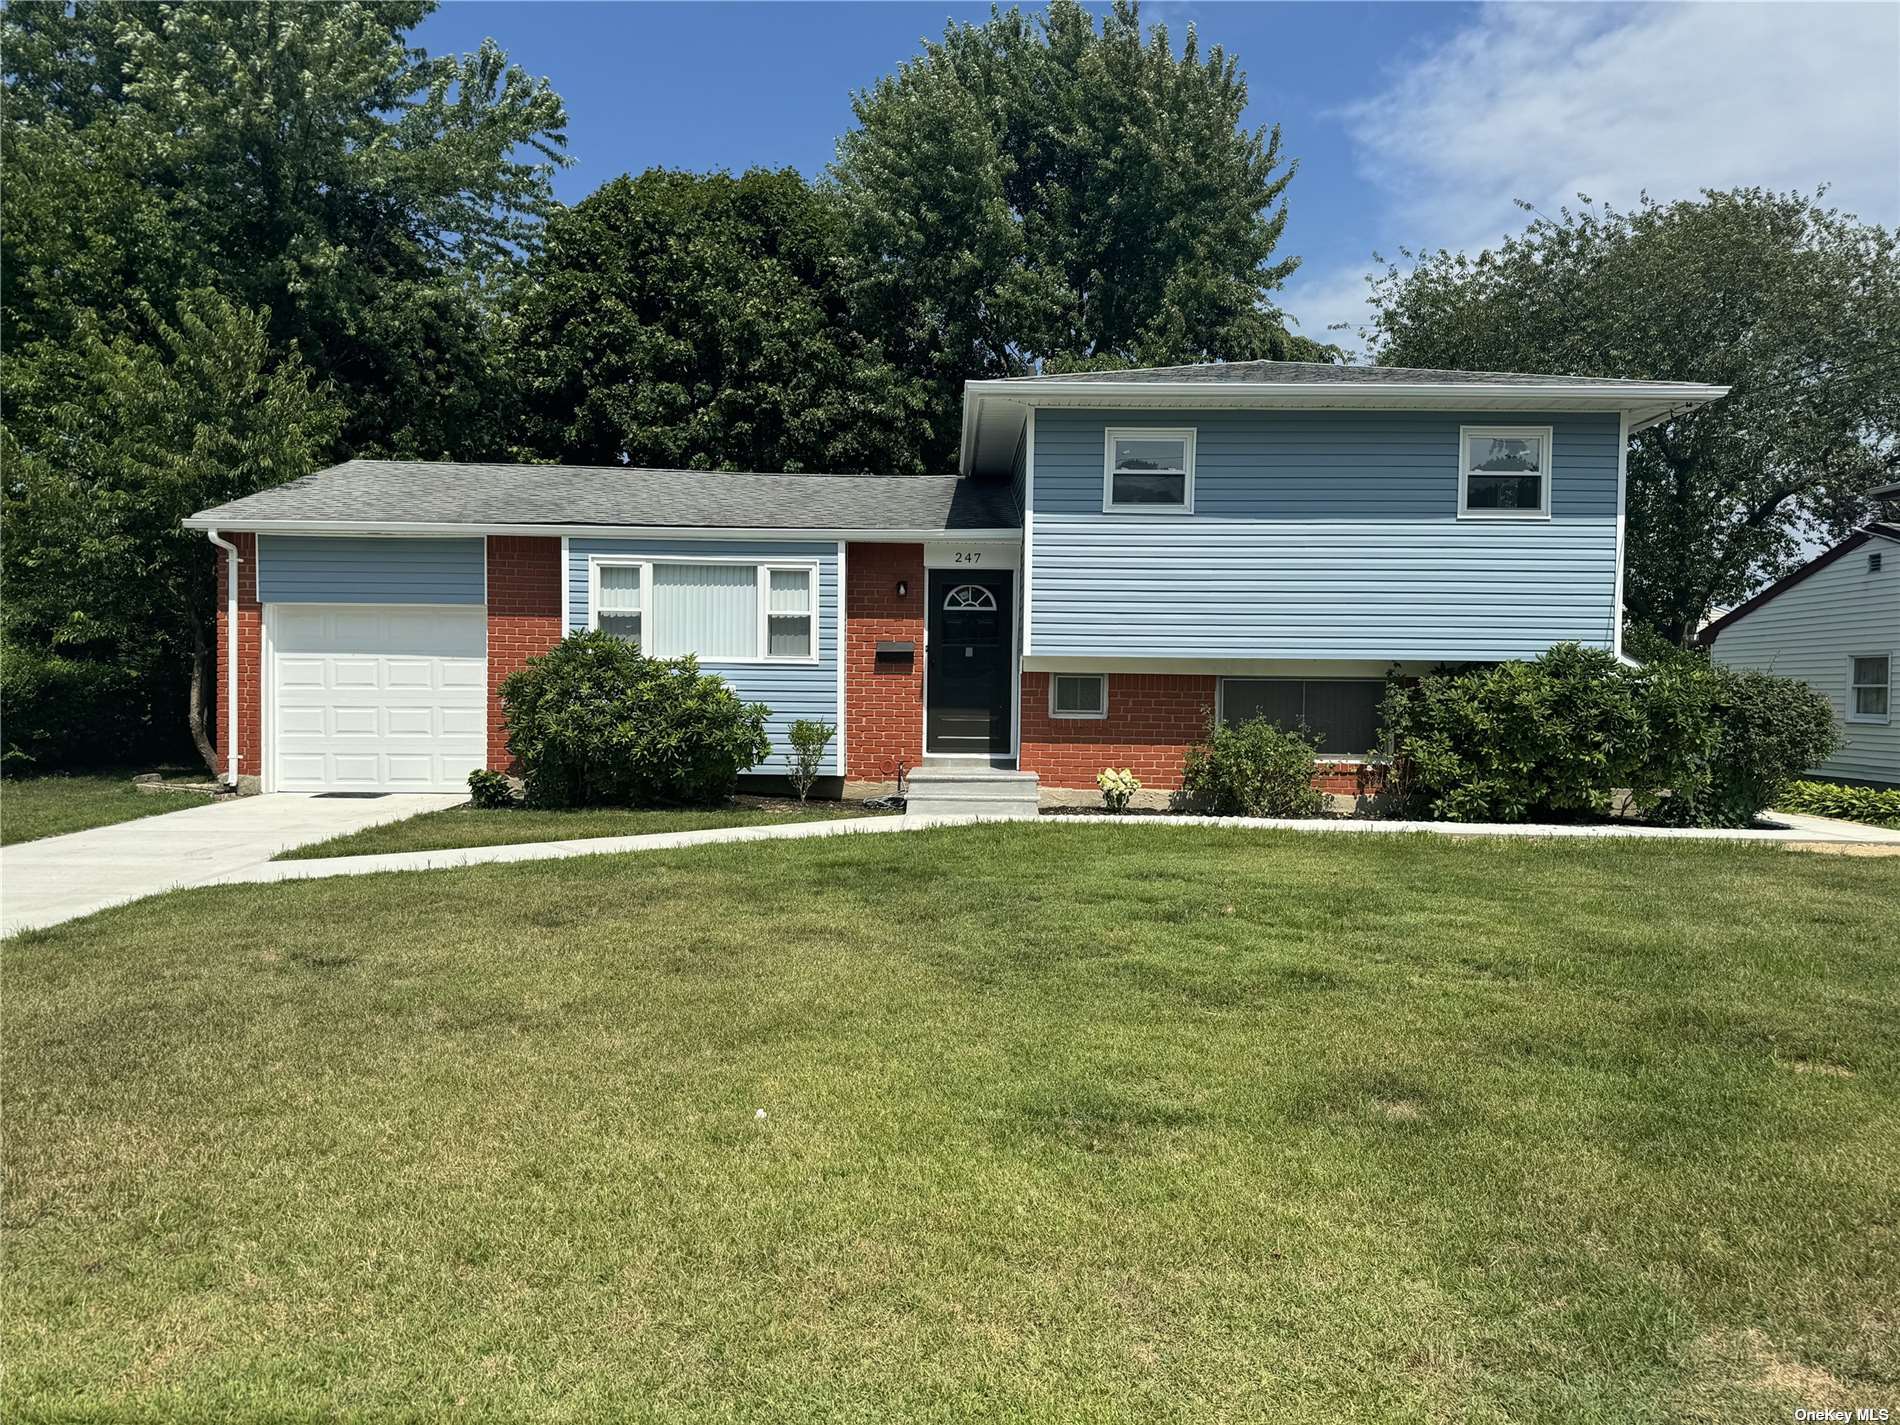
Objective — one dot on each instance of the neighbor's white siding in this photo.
(1810, 631)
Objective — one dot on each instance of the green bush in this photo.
(594, 722)
(1558, 737)
(1770, 730)
(1876, 806)
(1252, 769)
(809, 741)
(490, 791)
(60, 712)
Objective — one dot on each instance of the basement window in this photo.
(1078, 695)
(1343, 711)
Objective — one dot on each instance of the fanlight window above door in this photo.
(969, 597)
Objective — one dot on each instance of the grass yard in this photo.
(1091, 1123)
(33, 807)
(467, 826)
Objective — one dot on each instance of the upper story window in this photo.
(1150, 471)
(721, 611)
(1504, 472)
(1869, 687)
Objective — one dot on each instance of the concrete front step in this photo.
(979, 791)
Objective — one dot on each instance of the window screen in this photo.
(1345, 713)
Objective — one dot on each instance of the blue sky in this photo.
(1414, 124)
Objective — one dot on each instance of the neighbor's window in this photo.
(719, 612)
(619, 611)
(1869, 687)
(1151, 470)
(1343, 711)
(1504, 472)
(1078, 695)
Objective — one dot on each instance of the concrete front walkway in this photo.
(1804, 830)
(61, 877)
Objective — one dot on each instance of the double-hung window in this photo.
(1148, 471)
(721, 611)
(1870, 687)
(1504, 472)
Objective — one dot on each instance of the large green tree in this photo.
(305, 161)
(1795, 306)
(688, 320)
(106, 449)
(1038, 190)
(240, 240)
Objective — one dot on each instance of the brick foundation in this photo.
(524, 619)
(884, 709)
(250, 617)
(1152, 717)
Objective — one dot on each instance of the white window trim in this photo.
(762, 587)
(1100, 678)
(1465, 472)
(1868, 719)
(1185, 434)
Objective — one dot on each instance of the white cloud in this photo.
(1543, 102)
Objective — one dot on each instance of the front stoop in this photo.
(979, 791)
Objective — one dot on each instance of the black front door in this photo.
(967, 707)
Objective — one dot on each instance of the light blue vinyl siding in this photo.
(302, 570)
(791, 690)
(1321, 535)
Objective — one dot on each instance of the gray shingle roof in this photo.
(438, 492)
(1313, 372)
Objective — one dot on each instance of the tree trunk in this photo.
(195, 714)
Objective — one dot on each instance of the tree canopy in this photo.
(1793, 305)
(700, 321)
(1035, 191)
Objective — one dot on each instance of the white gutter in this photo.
(230, 654)
(434, 530)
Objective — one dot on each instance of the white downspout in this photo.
(230, 654)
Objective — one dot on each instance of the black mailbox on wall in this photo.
(896, 657)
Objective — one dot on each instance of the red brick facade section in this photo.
(1152, 717)
(250, 622)
(884, 710)
(524, 619)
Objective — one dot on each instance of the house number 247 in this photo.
(969, 556)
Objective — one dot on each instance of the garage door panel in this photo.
(367, 698)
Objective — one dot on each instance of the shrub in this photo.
(1118, 788)
(68, 712)
(1516, 740)
(809, 741)
(1769, 729)
(595, 722)
(1252, 769)
(1693, 744)
(491, 791)
(1876, 806)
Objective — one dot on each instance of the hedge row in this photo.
(1873, 805)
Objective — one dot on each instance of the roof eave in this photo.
(241, 524)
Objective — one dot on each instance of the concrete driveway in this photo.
(63, 877)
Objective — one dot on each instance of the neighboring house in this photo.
(1834, 623)
(1122, 555)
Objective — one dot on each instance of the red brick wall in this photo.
(884, 711)
(1152, 717)
(250, 619)
(524, 619)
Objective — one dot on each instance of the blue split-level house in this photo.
(1120, 557)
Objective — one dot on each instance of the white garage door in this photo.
(377, 698)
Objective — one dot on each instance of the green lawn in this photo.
(1091, 1123)
(465, 826)
(32, 807)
